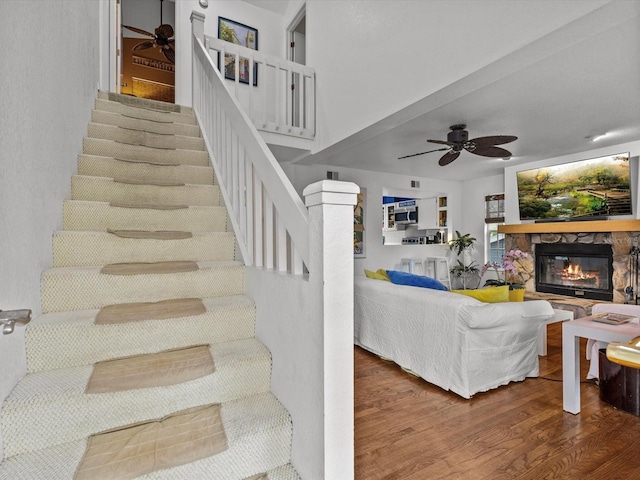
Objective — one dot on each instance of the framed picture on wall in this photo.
(245, 36)
(358, 225)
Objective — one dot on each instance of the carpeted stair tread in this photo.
(136, 312)
(82, 248)
(160, 128)
(67, 339)
(147, 205)
(141, 234)
(130, 451)
(149, 268)
(149, 161)
(98, 166)
(257, 427)
(134, 136)
(150, 370)
(147, 103)
(100, 216)
(128, 181)
(144, 113)
(109, 148)
(82, 288)
(283, 472)
(131, 190)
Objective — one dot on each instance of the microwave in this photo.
(406, 215)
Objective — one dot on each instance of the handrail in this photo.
(268, 216)
(279, 95)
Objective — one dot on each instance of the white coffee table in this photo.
(571, 333)
(558, 316)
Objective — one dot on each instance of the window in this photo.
(494, 216)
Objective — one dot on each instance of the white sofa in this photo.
(450, 340)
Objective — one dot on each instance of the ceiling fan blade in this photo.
(447, 158)
(422, 153)
(143, 46)
(495, 140)
(441, 142)
(490, 151)
(138, 30)
(169, 54)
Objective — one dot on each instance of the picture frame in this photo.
(359, 237)
(245, 36)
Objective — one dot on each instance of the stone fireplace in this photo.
(613, 237)
(574, 269)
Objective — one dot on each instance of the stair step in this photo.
(144, 113)
(258, 431)
(70, 339)
(101, 216)
(110, 148)
(83, 288)
(144, 102)
(77, 248)
(140, 137)
(103, 189)
(93, 165)
(119, 120)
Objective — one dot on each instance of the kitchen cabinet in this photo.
(428, 213)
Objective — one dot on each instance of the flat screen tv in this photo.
(576, 190)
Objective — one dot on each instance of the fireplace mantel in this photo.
(572, 227)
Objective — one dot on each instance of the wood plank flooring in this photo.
(406, 428)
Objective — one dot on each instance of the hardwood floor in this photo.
(406, 428)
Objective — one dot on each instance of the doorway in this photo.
(147, 60)
(297, 54)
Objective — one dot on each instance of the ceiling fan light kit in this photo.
(458, 140)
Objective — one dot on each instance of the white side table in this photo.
(559, 316)
(571, 333)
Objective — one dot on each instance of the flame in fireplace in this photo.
(574, 273)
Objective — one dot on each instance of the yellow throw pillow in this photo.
(381, 274)
(487, 295)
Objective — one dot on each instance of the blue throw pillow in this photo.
(404, 278)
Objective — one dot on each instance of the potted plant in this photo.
(465, 270)
(468, 275)
(511, 274)
(462, 243)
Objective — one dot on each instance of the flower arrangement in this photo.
(510, 268)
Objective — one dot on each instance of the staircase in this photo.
(145, 203)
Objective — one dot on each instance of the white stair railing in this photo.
(268, 216)
(278, 95)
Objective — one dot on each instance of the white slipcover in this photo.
(450, 340)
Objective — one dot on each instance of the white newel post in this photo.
(330, 206)
(197, 25)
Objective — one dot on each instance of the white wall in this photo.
(50, 74)
(270, 26)
(377, 254)
(373, 58)
(511, 192)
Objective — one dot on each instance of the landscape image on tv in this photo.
(586, 188)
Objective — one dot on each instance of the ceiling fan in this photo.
(458, 140)
(162, 39)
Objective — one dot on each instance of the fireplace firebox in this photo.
(575, 269)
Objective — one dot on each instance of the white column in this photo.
(330, 206)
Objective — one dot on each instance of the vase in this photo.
(516, 294)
